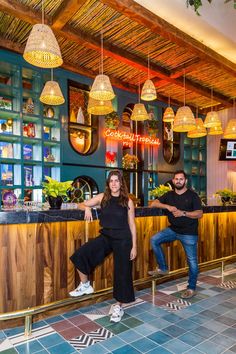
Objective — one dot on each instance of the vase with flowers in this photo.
(225, 194)
(129, 161)
(160, 190)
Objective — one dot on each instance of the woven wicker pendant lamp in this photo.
(199, 131)
(139, 111)
(212, 119)
(215, 131)
(230, 130)
(101, 88)
(148, 92)
(184, 119)
(169, 114)
(51, 93)
(98, 107)
(42, 49)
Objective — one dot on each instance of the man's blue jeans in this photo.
(189, 243)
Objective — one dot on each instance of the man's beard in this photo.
(178, 187)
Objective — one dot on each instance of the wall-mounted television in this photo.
(227, 150)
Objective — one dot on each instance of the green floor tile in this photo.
(132, 322)
(117, 328)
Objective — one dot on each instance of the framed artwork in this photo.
(82, 126)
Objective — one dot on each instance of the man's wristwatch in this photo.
(184, 213)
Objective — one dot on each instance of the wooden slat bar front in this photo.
(35, 265)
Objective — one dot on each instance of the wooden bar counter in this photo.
(35, 248)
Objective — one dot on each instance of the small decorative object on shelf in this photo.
(80, 116)
(226, 195)
(50, 158)
(30, 106)
(9, 200)
(49, 112)
(111, 158)
(160, 190)
(56, 192)
(112, 120)
(129, 161)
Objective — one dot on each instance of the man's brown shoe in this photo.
(157, 272)
(188, 293)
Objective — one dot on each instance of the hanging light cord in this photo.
(43, 12)
(148, 66)
(184, 87)
(52, 74)
(102, 51)
(211, 99)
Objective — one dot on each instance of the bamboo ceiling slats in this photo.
(129, 38)
(49, 6)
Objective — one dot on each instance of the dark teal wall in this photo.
(73, 160)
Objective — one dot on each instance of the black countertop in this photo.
(28, 217)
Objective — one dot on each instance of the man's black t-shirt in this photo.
(188, 201)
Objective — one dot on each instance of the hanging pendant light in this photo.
(184, 119)
(199, 131)
(212, 119)
(51, 93)
(98, 107)
(230, 131)
(42, 49)
(215, 130)
(139, 111)
(148, 92)
(169, 114)
(101, 88)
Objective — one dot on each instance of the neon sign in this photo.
(129, 138)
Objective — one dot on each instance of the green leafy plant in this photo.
(112, 120)
(198, 3)
(160, 190)
(55, 189)
(129, 161)
(225, 193)
(153, 124)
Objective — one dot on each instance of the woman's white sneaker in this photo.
(82, 289)
(116, 313)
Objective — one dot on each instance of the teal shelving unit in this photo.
(195, 159)
(30, 135)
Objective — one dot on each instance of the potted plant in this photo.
(129, 161)
(152, 127)
(225, 194)
(54, 191)
(112, 120)
(160, 190)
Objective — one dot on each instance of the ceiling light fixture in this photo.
(98, 107)
(169, 114)
(42, 49)
(212, 119)
(101, 88)
(184, 119)
(51, 93)
(230, 131)
(148, 92)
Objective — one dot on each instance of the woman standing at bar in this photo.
(118, 235)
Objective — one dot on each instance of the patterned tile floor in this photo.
(163, 324)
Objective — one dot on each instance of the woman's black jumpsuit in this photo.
(115, 236)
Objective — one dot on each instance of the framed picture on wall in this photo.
(82, 126)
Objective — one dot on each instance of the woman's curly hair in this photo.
(124, 197)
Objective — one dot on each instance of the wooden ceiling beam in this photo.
(15, 47)
(20, 11)
(185, 68)
(156, 24)
(65, 12)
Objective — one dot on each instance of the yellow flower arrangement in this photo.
(129, 161)
(160, 190)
